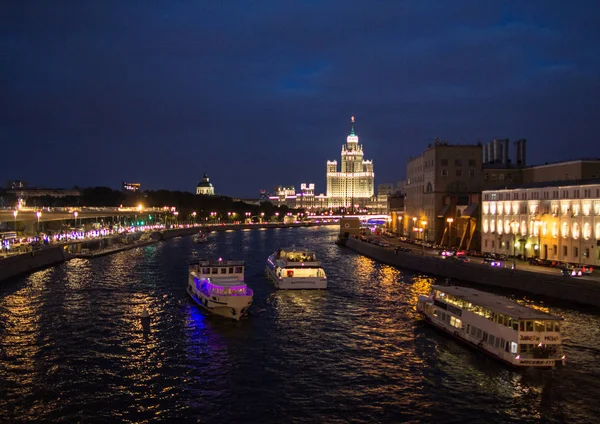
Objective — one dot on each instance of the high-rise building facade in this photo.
(354, 183)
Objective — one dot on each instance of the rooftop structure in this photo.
(496, 303)
(205, 186)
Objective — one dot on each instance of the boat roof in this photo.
(296, 249)
(496, 303)
(219, 262)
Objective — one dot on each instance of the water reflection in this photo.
(74, 337)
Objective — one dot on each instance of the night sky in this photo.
(260, 93)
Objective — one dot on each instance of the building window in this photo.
(459, 172)
(575, 252)
(487, 176)
(471, 162)
(501, 176)
(444, 172)
(565, 251)
(458, 162)
(509, 177)
(444, 162)
(555, 249)
(472, 173)
(494, 177)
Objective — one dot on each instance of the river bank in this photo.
(568, 288)
(89, 249)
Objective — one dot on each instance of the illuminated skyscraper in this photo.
(354, 184)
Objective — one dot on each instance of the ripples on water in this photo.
(74, 350)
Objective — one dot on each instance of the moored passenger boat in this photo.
(296, 268)
(218, 287)
(513, 333)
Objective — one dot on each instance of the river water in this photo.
(72, 348)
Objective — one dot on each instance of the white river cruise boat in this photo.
(513, 333)
(218, 287)
(295, 268)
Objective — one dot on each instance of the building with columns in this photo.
(353, 185)
(557, 221)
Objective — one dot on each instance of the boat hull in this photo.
(235, 310)
(522, 363)
(296, 283)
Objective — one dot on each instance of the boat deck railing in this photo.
(214, 292)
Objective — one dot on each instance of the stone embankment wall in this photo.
(27, 262)
(577, 290)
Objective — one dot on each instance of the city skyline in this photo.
(100, 93)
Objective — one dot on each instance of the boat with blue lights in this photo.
(518, 335)
(218, 287)
(296, 269)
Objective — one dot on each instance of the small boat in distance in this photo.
(200, 238)
(296, 268)
(218, 287)
(515, 334)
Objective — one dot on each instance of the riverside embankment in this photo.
(31, 261)
(581, 291)
(88, 249)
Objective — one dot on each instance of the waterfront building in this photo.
(558, 220)
(306, 198)
(131, 187)
(205, 186)
(442, 185)
(353, 184)
(284, 196)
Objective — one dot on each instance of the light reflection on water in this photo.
(74, 347)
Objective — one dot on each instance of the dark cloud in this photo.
(260, 93)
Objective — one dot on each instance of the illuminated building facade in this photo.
(205, 186)
(354, 183)
(557, 221)
(131, 187)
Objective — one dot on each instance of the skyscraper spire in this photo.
(352, 129)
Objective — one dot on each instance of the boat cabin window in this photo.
(215, 270)
(205, 270)
(528, 325)
(539, 326)
(231, 270)
(238, 270)
(515, 325)
(223, 270)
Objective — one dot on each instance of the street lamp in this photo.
(15, 213)
(194, 217)
(75, 215)
(38, 214)
(450, 221)
(414, 219)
